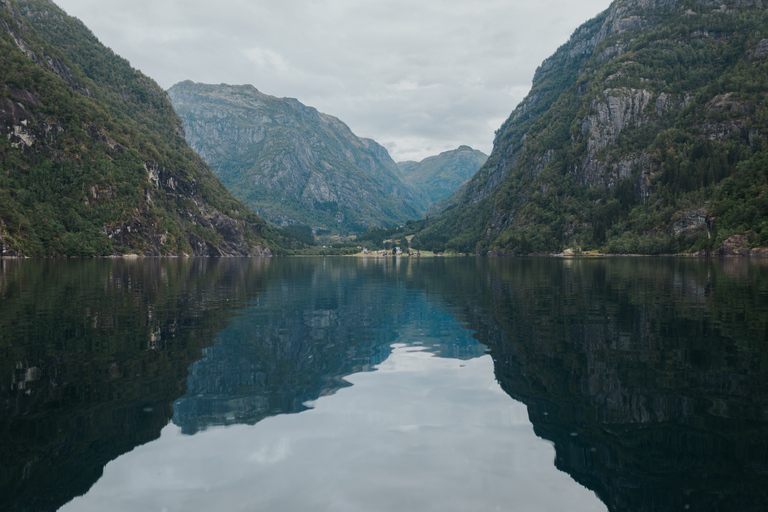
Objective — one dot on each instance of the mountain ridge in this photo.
(441, 175)
(292, 163)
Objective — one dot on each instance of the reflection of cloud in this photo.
(457, 65)
(428, 438)
(407, 359)
(271, 454)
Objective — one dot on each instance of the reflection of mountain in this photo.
(92, 354)
(649, 376)
(318, 322)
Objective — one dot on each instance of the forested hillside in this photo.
(92, 156)
(644, 133)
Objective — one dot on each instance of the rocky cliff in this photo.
(644, 133)
(291, 163)
(440, 176)
(93, 158)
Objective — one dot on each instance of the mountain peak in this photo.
(292, 163)
(441, 175)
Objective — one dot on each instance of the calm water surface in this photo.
(346, 385)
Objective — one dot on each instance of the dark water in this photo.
(345, 384)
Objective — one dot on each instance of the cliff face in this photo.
(93, 157)
(441, 175)
(650, 114)
(291, 163)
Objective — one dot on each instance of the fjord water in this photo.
(371, 384)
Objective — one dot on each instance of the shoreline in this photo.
(754, 254)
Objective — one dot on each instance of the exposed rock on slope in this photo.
(93, 157)
(440, 176)
(291, 163)
(651, 111)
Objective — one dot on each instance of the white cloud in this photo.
(267, 59)
(418, 77)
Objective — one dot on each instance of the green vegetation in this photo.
(653, 141)
(92, 161)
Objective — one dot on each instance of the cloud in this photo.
(418, 77)
(267, 59)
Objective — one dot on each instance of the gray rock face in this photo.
(615, 111)
(618, 109)
(691, 222)
(762, 48)
(291, 163)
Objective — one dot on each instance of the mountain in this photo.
(644, 133)
(440, 176)
(93, 157)
(291, 163)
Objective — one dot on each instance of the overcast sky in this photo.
(419, 77)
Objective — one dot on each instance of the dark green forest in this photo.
(697, 148)
(93, 157)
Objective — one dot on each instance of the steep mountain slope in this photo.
(291, 163)
(644, 133)
(440, 176)
(93, 157)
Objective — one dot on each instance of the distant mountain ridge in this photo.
(291, 163)
(647, 132)
(440, 176)
(93, 158)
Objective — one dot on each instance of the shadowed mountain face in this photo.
(291, 163)
(649, 376)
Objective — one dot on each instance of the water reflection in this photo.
(649, 376)
(313, 325)
(92, 354)
(420, 433)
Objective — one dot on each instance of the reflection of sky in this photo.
(422, 433)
